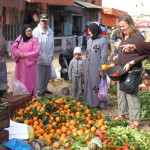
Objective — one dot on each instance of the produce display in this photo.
(144, 97)
(146, 64)
(68, 124)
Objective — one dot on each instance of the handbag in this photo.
(129, 82)
(53, 73)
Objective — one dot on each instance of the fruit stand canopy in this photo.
(19, 4)
(110, 16)
(55, 2)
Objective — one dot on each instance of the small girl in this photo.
(75, 73)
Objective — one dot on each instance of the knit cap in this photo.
(77, 50)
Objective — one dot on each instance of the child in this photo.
(75, 73)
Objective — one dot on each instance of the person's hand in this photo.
(127, 67)
(22, 55)
(102, 75)
(8, 54)
(82, 71)
(115, 57)
(128, 47)
(70, 80)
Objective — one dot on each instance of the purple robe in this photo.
(25, 70)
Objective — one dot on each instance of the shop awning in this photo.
(110, 16)
(72, 9)
(54, 2)
(87, 5)
(19, 4)
(112, 11)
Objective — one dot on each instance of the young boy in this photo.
(75, 73)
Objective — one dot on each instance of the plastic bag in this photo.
(103, 91)
(18, 88)
(17, 144)
(53, 73)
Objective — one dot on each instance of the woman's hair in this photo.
(129, 21)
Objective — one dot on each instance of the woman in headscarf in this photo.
(97, 53)
(25, 52)
(3, 70)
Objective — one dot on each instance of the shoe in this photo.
(48, 92)
(120, 117)
(41, 94)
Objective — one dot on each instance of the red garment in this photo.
(104, 32)
(87, 32)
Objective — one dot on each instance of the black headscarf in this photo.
(23, 34)
(95, 30)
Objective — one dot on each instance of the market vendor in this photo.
(3, 70)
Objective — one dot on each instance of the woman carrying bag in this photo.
(128, 100)
(25, 52)
(96, 55)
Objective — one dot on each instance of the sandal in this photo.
(135, 125)
(120, 117)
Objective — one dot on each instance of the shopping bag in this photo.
(53, 73)
(18, 88)
(103, 91)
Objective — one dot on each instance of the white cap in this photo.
(77, 50)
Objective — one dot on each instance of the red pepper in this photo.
(101, 138)
(117, 73)
(116, 139)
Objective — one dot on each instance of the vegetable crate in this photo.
(5, 117)
(4, 136)
(17, 102)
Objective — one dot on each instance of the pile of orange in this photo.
(54, 119)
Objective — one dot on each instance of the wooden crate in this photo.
(4, 136)
(5, 117)
(16, 102)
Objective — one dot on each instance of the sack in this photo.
(129, 83)
(103, 91)
(18, 88)
(53, 73)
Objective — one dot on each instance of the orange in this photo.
(73, 122)
(64, 129)
(59, 131)
(56, 145)
(104, 67)
(93, 129)
(48, 142)
(41, 137)
(41, 131)
(57, 119)
(78, 114)
(87, 111)
(112, 64)
(80, 132)
(26, 122)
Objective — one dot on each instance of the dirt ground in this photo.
(56, 87)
